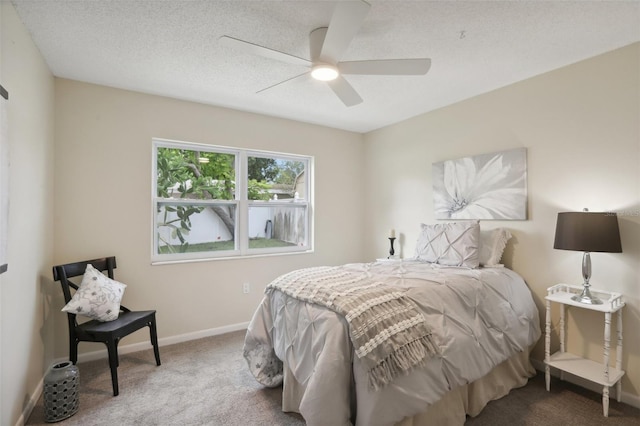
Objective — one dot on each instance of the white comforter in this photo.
(479, 318)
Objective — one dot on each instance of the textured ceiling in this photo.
(171, 48)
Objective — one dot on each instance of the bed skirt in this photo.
(470, 399)
(453, 408)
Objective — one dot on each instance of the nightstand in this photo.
(600, 373)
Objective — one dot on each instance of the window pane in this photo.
(272, 178)
(198, 175)
(189, 228)
(203, 207)
(277, 226)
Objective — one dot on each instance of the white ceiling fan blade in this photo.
(386, 67)
(345, 91)
(345, 23)
(282, 82)
(255, 49)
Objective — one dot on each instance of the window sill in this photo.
(239, 257)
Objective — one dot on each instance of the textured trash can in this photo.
(61, 391)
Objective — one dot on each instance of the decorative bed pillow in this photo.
(492, 245)
(98, 296)
(451, 244)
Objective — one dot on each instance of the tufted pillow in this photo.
(451, 244)
(98, 296)
(492, 245)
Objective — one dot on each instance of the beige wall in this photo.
(103, 201)
(25, 341)
(581, 127)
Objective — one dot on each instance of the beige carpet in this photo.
(206, 382)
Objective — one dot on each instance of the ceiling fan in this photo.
(327, 45)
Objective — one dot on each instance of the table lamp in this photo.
(587, 232)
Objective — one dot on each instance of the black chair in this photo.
(109, 332)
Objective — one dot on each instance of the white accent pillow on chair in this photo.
(98, 296)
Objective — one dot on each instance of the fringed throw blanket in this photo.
(387, 330)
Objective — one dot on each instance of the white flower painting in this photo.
(489, 186)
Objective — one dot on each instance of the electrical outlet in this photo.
(246, 288)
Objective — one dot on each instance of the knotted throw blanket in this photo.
(387, 330)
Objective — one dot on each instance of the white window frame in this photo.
(241, 202)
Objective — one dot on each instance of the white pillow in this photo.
(451, 244)
(492, 245)
(98, 296)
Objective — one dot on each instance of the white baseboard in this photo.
(625, 397)
(165, 341)
(31, 403)
(126, 349)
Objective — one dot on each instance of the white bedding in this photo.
(479, 317)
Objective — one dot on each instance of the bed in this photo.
(477, 324)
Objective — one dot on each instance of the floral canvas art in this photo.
(488, 186)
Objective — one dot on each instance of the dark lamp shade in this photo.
(588, 232)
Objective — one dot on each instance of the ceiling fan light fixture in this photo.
(324, 72)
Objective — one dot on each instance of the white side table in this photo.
(600, 373)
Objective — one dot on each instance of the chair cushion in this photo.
(98, 296)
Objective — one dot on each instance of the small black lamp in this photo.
(587, 232)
